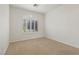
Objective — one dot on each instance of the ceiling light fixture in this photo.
(35, 5)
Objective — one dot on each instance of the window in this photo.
(30, 24)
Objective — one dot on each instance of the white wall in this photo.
(16, 24)
(4, 28)
(62, 24)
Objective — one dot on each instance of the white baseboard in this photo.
(49, 37)
(64, 42)
(6, 48)
(2, 52)
(33, 37)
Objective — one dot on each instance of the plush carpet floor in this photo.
(41, 46)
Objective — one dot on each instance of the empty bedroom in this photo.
(39, 29)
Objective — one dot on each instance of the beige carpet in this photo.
(41, 46)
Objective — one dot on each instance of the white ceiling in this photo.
(42, 8)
